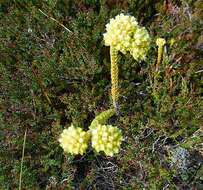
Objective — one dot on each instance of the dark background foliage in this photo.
(52, 77)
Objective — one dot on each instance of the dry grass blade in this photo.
(21, 166)
(55, 21)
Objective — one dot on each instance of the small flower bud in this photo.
(160, 42)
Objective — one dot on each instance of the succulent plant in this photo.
(104, 138)
(160, 42)
(125, 35)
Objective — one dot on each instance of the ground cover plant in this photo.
(55, 72)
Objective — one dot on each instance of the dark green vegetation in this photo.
(51, 77)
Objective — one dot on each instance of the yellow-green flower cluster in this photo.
(106, 138)
(140, 44)
(125, 35)
(74, 140)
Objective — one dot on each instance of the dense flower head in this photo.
(74, 140)
(125, 35)
(106, 138)
(160, 42)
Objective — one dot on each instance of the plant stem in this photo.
(114, 77)
(102, 118)
(160, 51)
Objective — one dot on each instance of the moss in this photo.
(41, 61)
